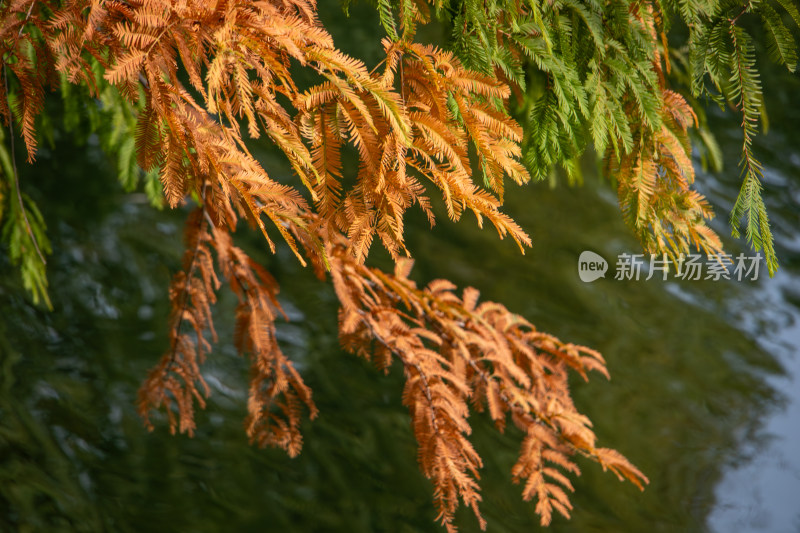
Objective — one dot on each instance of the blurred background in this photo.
(704, 396)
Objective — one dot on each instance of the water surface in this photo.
(704, 395)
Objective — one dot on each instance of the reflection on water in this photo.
(704, 392)
(760, 491)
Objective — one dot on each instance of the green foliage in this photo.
(111, 119)
(23, 229)
(724, 52)
(589, 73)
(580, 64)
(105, 116)
(585, 73)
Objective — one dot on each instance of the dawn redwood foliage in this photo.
(176, 86)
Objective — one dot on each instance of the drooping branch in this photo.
(277, 391)
(173, 383)
(456, 352)
(239, 59)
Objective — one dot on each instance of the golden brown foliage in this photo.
(457, 352)
(654, 181)
(277, 391)
(27, 58)
(410, 122)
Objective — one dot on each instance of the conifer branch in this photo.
(454, 350)
(203, 77)
(13, 153)
(13, 156)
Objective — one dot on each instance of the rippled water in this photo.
(760, 490)
(704, 395)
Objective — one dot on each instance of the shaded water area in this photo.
(704, 396)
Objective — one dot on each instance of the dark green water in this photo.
(704, 394)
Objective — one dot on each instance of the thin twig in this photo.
(13, 153)
(742, 12)
(188, 280)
